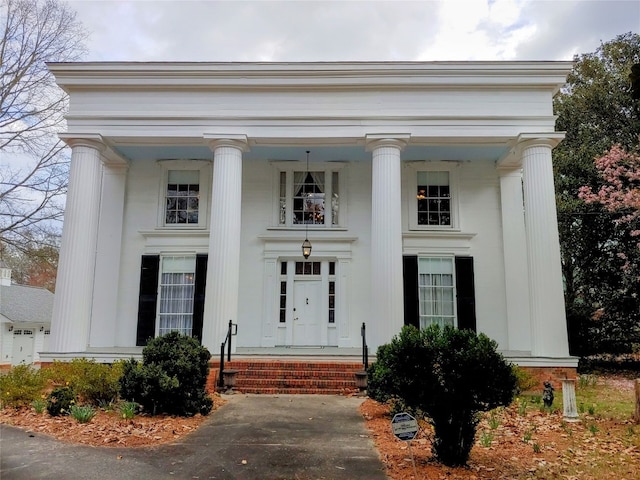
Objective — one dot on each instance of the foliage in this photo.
(597, 111)
(60, 400)
(35, 262)
(610, 363)
(82, 413)
(39, 405)
(171, 378)
(525, 380)
(20, 386)
(33, 170)
(95, 383)
(129, 409)
(451, 375)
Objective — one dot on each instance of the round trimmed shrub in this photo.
(60, 400)
(171, 378)
(451, 375)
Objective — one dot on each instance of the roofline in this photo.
(88, 75)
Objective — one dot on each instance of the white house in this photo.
(25, 321)
(427, 196)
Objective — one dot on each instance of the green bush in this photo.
(60, 400)
(171, 378)
(20, 386)
(94, 383)
(526, 381)
(451, 375)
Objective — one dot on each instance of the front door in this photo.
(306, 312)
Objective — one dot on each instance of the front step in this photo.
(294, 377)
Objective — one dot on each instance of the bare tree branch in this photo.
(33, 162)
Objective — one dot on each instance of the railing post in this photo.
(365, 348)
(229, 339)
(220, 379)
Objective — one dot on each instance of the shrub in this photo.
(21, 386)
(83, 414)
(451, 375)
(525, 380)
(60, 400)
(171, 378)
(94, 383)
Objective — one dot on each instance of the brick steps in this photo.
(294, 377)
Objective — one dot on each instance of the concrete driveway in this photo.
(252, 437)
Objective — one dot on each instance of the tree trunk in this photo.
(636, 415)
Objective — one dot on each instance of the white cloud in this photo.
(351, 30)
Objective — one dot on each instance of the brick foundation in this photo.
(555, 375)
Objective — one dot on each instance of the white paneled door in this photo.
(307, 311)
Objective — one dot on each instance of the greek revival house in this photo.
(424, 189)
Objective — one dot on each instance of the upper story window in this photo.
(184, 193)
(183, 197)
(310, 197)
(432, 196)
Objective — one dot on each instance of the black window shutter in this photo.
(198, 299)
(410, 287)
(465, 289)
(147, 301)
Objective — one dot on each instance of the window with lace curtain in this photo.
(436, 290)
(177, 288)
(309, 198)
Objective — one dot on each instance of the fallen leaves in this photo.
(107, 428)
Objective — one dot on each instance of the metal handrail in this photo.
(365, 347)
(230, 333)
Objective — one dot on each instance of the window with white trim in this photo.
(432, 195)
(309, 197)
(183, 193)
(176, 294)
(436, 291)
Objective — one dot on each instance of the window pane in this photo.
(432, 197)
(177, 283)
(335, 204)
(183, 197)
(436, 291)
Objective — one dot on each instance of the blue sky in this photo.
(300, 30)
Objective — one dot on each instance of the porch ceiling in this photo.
(318, 153)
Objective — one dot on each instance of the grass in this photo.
(603, 444)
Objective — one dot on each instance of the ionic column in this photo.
(516, 267)
(76, 268)
(548, 318)
(223, 267)
(387, 309)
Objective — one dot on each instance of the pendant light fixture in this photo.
(306, 245)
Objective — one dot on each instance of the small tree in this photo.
(451, 375)
(171, 378)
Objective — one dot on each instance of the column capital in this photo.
(91, 140)
(551, 139)
(214, 140)
(513, 158)
(376, 140)
(108, 156)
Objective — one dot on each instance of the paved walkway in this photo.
(253, 437)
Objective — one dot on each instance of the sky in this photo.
(342, 30)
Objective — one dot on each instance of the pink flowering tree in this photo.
(620, 192)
